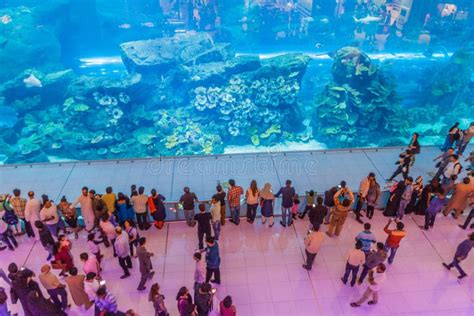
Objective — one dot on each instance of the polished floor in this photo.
(261, 270)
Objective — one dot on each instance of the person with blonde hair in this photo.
(158, 300)
(267, 204)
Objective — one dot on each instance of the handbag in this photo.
(57, 264)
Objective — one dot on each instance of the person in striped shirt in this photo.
(105, 301)
(367, 238)
(393, 240)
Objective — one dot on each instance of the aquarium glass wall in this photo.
(108, 79)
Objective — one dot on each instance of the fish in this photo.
(32, 81)
(6, 19)
(318, 45)
(368, 19)
(125, 26)
(8, 116)
(148, 24)
(324, 20)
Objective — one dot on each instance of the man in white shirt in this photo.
(454, 167)
(376, 278)
(140, 203)
(355, 258)
(122, 248)
(86, 208)
(49, 215)
(32, 212)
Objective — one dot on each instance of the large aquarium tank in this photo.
(110, 79)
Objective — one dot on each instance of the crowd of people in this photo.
(117, 220)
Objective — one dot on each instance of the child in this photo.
(200, 271)
(216, 217)
(355, 258)
(295, 207)
(93, 246)
(46, 238)
(436, 205)
(310, 196)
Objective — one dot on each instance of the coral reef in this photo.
(360, 98)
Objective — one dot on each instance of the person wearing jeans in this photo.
(7, 236)
(372, 260)
(55, 289)
(468, 219)
(213, 261)
(355, 258)
(435, 207)
(288, 194)
(462, 251)
(215, 211)
(251, 197)
(139, 203)
(393, 240)
(312, 243)
(233, 197)
(187, 200)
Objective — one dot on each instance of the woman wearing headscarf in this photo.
(267, 204)
(417, 189)
(396, 192)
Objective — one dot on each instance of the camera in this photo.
(213, 290)
(102, 282)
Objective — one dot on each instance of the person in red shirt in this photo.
(233, 197)
(393, 240)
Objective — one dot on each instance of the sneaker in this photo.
(141, 288)
(282, 224)
(446, 266)
(422, 227)
(125, 276)
(271, 225)
(306, 267)
(462, 276)
(462, 226)
(152, 274)
(355, 304)
(371, 302)
(359, 221)
(215, 281)
(342, 279)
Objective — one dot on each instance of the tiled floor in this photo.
(261, 270)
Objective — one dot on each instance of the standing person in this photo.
(393, 203)
(86, 208)
(367, 238)
(32, 212)
(108, 230)
(220, 196)
(49, 215)
(140, 202)
(62, 257)
(443, 161)
(6, 234)
(452, 137)
(233, 197)
(124, 208)
(372, 260)
(70, 215)
(312, 243)
(288, 194)
(199, 271)
(187, 200)
(355, 258)
(93, 246)
(123, 252)
(453, 168)
(310, 200)
(417, 189)
(184, 301)
(75, 284)
(404, 163)
(462, 251)
(98, 207)
(204, 224)
(157, 208)
(158, 300)
(251, 197)
(341, 209)
(373, 197)
(414, 145)
(458, 202)
(317, 213)
(215, 211)
(425, 196)
(3, 303)
(376, 278)
(18, 204)
(405, 198)
(329, 202)
(394, 237)
(470, 216)
(226, 308)
(144, 261)
(435, 207)
(106, 302)
(364, 187)
(267, 204)
(466, 138)
(133, 236)
(90, 264)
(110, 200)
(55, 289)
(203, 299)
(91, 285)
(213, 261)
(46, 238)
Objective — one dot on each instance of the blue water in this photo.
(103, 79)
